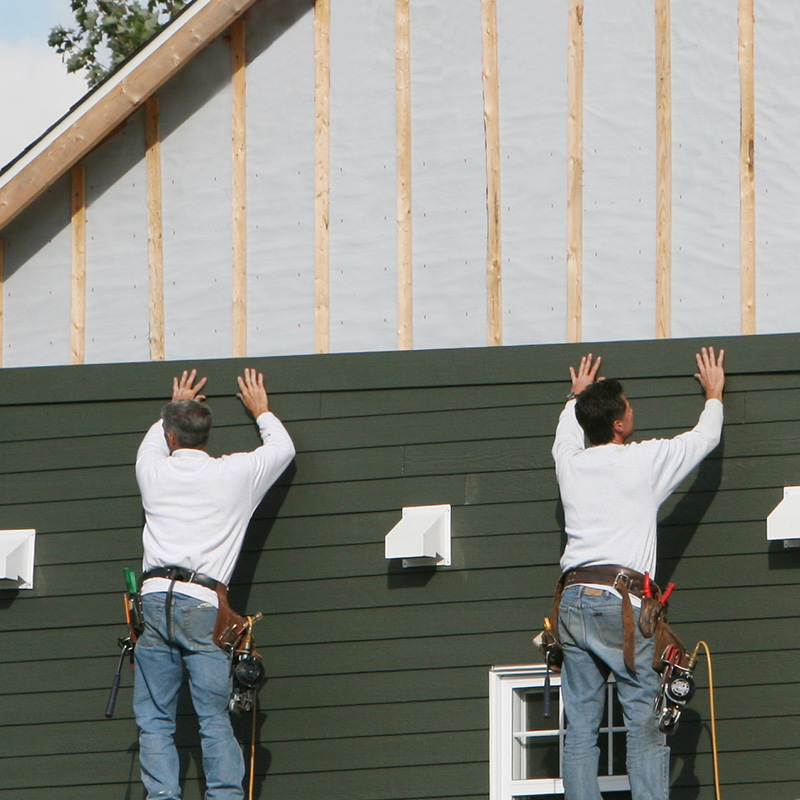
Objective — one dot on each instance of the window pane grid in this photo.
(534, 745)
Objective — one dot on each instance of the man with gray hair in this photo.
(197, 509)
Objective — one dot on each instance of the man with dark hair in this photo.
(598, 408)
(611, 492)
(197, 509)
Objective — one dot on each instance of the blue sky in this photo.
(35, 90)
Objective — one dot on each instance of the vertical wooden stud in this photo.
(239, 189)
(747, 189)
(403, 113)
(154, 229)
(322, 91)
(77, 338)
(575, 172)
(491, 118)
(663, 171)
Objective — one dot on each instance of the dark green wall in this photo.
(378, 676)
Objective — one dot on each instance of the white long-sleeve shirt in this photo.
(197, 508)
(611, 493)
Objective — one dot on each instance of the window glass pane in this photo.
(533, 718)
(536, 758)
(616, 708)
(603, 742)
(542, 796)
(619, 753)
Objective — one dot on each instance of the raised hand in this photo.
(711, 373)
(185, 388)
(252, 392)
(586, 374)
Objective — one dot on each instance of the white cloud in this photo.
(35, 92)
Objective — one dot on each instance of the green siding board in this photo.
(376, 495)
(418, 782)
(334, 756)
(378, 676)
(74, 515)
(372, 688)
(72, 547)
(402, 717)
(475, 455)
(774, 790)
(416, 400)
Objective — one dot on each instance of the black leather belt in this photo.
(183, 575)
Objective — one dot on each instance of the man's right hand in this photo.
(185, 388)
(252, 392)
(711, 373)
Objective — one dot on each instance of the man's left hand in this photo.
(586, 373)
(185, 388)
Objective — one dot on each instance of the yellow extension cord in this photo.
(253, 750)
(692, 662)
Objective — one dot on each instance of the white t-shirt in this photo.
(611, 493)
(197, 508)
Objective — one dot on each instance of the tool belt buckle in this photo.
(621, 576)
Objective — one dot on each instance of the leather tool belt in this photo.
(229, 628)
(626, 582)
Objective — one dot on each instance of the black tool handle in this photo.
(546, 703)
(112, 697)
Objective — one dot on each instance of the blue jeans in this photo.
(590, 629)
(159, 673)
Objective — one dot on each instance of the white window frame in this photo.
(503, 683)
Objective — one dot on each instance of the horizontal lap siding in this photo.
(378, 675)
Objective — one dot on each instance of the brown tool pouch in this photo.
(653, 624)
(652, 615)
(652, 610)
(134, 615)
(547, 641)
(230, 627)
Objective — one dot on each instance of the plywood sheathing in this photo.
(404, 239)
(491, 117)
(239, 190)
(92, 121)
(77, 337)
(155, 232)
(663, 170)
(322, 177)
(575, 171)
(747, 166)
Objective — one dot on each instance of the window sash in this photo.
(509, 734)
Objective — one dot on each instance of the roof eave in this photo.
(103, 110)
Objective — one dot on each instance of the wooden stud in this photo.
(663, 170)
(77, 338)
(117, 103)
(575, 172)
(239, 191)
(155, 231)
(747, 188)
(322, 177)
(491, 118)
(403, 112)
